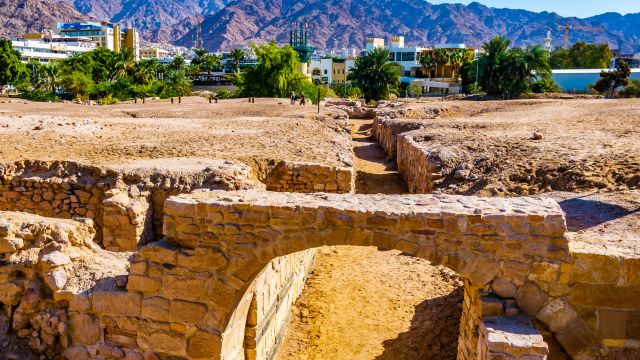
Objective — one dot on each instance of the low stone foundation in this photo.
(309, 178)
(386, 131)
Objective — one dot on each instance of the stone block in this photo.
(145, 284)
(162, 342)
(544, 271)
(618, 324)
(576, 337)
(557, 314)
(181, 287)
(204, 345)
(85, 329)
(504, 288)
(632, 271)
(611, 296)
(11, 244)
(160, 251)
(116, 303)
(481, 271)
(10, 293)
(156, 308)
(187, 312)
(595, 268)
(530, 298)
(491, 306)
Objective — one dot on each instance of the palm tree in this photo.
(427, 61)
(177, 63)
(144, 72)
(211, 60)
(457, 59)
(124, 62)
(375, 75)
(51, 76)
(178, 82)
(442, 58)
(237, 55)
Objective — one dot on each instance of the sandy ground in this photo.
(362, 303)
(376, 173)
(231, 130)
(586, 145)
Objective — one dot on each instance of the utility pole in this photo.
(477, 68)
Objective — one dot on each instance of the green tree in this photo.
(581, 56)
(144, 72)
(276, 74)
(179, 83)
(205, 61)
(610, 81)
(457, 59)
(504, 71)
(237, 55)
(375, 75)
(442, 57)
(12, 70)
(51, 76)
(78, 84)
(177, 63)
(428, 61)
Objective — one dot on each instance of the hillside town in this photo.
(181, 192)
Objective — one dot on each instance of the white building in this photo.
(330, 71)
(52, 48)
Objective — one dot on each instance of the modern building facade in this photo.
(47, 47)
(331, 71)
(153, 53)
(103, 34)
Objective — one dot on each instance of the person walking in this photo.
(303, 101)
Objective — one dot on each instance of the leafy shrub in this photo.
(38, 95)
(632, 90)
(545, 85)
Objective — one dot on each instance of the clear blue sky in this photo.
(578, 8)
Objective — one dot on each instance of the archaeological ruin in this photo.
(198, 250)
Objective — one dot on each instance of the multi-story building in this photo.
(153, 53)
(103, 34)
(330, 71)
(46, 47)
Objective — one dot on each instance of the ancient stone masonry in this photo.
(221, 284)
(121, 200)
(386, 131)
(309, 178)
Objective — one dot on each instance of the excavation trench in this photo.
(370, 303)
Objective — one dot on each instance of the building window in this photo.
(325, 71)
(409, 56)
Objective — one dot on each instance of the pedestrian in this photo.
(302, 100)
(293, 98)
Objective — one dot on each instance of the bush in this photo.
(544, 86)
(311, 92)
(38, 95)
(226, 94)
(632, 90)
(109, 100)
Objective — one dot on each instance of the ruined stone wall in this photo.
(471, 313)
(415, 166)
(119, 202)
(309, 177)
(386, 131)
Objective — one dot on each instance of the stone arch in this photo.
(217, 242)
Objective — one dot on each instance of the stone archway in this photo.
(219, 241)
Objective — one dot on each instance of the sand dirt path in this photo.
(367, 303)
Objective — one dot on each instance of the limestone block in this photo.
(11, 244)
(145, 284)
(54, 259)
(160, 252)
(491, 306)
(512, 337)
(187, 312)
(10, 293)
(504, 288)
(611, 296)
(544, 271)
(77, 352)
(576, 337)
(632, 271)
(85, 329)
(156, 308)
(530, 298)
(128, 222)
(56, 279)
(163, 342)
(595, 268)
(204, 345)
(618, 324)
(116, 302)
(557, 314)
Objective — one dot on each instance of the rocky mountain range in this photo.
(332, 23)
(20, 16)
